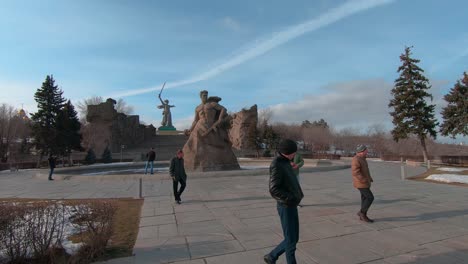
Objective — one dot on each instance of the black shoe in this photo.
(363, 217)
(368, 219)
(178, 202)
(267, 258)
(50, 179)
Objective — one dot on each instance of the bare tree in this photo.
(317, 138)
(6, 129)
(265, 115)
(122, 107)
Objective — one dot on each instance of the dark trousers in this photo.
(366, 199)
(290, 224)
(175, 184)
(50, 173)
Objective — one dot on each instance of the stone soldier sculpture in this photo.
(208, 146)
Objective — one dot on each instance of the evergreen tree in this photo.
(44, 122)
(455, 114)
(68, 128)
(411, 113)
(107, 155)
(321, 123)
(90, 157)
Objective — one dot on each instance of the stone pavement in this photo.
(233, 219)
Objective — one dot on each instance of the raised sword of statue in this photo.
(164, 84)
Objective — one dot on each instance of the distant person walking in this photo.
(286, 190)
(177, 171)
(151, 156)
(296, 164)
(362, 181)
(52, 163)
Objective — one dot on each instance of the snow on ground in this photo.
(452, 169)
(129, 171)
(66, 213)
(249, 167)
(448, 178)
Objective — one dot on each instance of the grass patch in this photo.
(125, 223)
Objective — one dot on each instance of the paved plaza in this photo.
(227, 218)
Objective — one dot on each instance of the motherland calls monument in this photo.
(208, 147)
(166, 123)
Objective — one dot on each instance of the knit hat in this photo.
(360, 148)
(287, 146)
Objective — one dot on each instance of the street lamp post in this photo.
(121, 152)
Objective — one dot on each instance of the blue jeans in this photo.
(50, 173)
(149, 162)
(290, 224)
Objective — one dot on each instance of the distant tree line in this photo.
(413, 117)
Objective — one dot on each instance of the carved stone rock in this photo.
(243, 127)
(106, 127)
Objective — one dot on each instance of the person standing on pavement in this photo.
(285, 189)
(178, 175)
(52, 163)
(151, 156)
(362, 181)
(296, 164)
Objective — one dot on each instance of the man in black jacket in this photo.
(151, 155)
(178, 174)
(52, 161)
(286, 190)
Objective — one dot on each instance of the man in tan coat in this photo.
(362, 181)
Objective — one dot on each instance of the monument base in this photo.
(170, 132)
(166, 128)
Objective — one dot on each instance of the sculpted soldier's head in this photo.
(204, 96)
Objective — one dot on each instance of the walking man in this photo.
(52, 162)
(285, 189)
(296, 164)
(178, 174)
(151, 155)
(362, 181)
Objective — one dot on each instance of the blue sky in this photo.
(332, 59)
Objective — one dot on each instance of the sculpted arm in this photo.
(195, 120)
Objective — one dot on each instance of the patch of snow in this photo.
(448, 178)
(255, 167)
(129, 171)
(110, 164)
(452, 169)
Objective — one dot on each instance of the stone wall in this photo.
(106, 127)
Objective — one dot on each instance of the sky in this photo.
(302, 60)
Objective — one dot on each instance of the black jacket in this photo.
(284, 186)
(177, 169)
(151, 155)
(52, 162)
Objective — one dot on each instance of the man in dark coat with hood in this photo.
(177, 171)
(285, 188)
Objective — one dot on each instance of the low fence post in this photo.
(140, 193)
(403, 169)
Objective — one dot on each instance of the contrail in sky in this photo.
(260, 47)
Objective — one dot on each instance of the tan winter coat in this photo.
(360, 171)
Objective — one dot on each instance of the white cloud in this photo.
(259, 47)
(231, 24)
(348, 104)
(354, 104)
